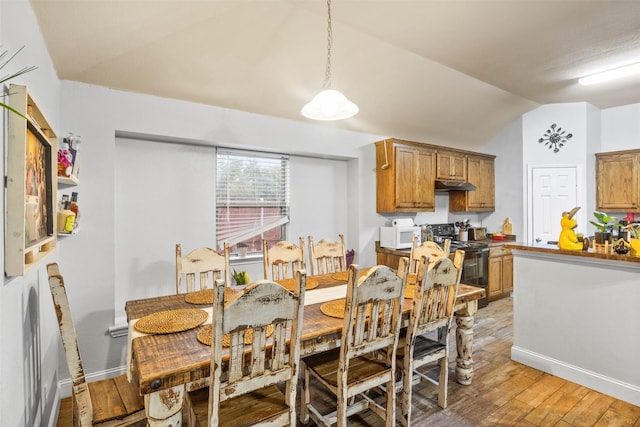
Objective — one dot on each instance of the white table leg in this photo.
(164, 407)
(464, 342)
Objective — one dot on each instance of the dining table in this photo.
(165, 366)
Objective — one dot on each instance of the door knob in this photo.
(538, 240)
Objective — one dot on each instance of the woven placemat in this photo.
(205, 336)
(205, 296)
(335, 308)
(166, 322)
(290, 284)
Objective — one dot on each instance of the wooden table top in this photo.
(163, 361)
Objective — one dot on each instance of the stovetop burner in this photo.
(448, 231)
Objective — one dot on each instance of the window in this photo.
(252, 198)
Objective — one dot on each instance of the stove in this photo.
(475, 267)
(449, 231)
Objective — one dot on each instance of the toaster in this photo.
(477, 233)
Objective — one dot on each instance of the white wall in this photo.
(30, 341)
(29, 372)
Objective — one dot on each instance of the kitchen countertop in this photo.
(405, 252)
(553, 249)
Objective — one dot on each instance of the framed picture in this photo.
(30, 208)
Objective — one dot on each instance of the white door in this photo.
(553, 191)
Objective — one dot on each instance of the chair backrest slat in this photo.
(283, 259)
(435, 297)
(327, 256)
(372, 312)
(266, 319)
(200, 268)
(82, 399)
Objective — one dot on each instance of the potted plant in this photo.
(4, 60)
(604, 225)
(242, 250)
(241, 277)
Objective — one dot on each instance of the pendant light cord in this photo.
(327, 75)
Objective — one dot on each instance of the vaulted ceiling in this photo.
(443, 72)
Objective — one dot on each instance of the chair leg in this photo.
(341, 397)
(306, 397)
(391, 403)
(443, 382)
(407, 384)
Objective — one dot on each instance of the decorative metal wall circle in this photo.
(555, 138)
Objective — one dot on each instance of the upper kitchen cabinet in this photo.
(481, 173)
(405, 177)
(617, 181)
(451, 166)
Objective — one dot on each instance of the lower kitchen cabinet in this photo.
(390, 257)
(500, 272)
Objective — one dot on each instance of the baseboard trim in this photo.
(620, 390)
(64, 386)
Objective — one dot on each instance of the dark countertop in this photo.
(405, 252)
(553, 249)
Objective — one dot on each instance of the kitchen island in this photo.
(576, 315)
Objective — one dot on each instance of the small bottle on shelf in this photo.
(73, 206)
(66, 219)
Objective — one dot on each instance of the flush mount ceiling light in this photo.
(610, 74)
(329, 104)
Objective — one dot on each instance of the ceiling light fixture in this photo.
(610, 74)
(329, 104)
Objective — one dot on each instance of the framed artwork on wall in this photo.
(31, 168)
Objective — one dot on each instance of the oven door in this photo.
(475, 271)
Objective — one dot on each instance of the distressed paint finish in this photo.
(186, 361)
(327, 256)
(164, 408)
(270, 361)
(108, 403)
(433, 307)
(283, 259)
(200, 268)
(428, 250)
(372, 320)
(464, 342)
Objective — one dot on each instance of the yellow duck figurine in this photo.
(568, 239)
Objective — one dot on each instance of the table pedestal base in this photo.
(464, 343)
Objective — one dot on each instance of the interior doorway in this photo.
(552, 190)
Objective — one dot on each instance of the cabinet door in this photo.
(617, 186)
(495, 276)
(406, 168)
(480, 172)
(507, 273)
(451, 166)
(424, 186)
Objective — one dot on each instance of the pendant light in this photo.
(329, 104)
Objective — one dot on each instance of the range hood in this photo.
(454, 186)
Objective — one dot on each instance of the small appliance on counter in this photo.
(477, 233)
(400, 234)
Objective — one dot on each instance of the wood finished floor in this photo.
(503, 392)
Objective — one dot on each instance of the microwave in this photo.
(398, 237)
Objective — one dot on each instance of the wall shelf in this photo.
(68, 180)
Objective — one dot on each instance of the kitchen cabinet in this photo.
(405, 177)
(618, 181)
(451, 166)
(390, 257)
(480, 173)
(500, 272)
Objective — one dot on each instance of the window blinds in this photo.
(252, 197)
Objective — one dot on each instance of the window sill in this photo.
(249, 259)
